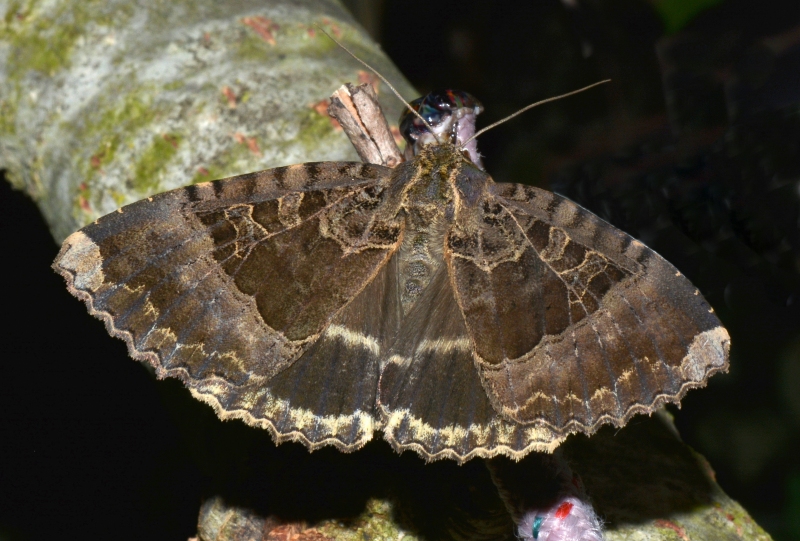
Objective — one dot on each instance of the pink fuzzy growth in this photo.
(568, 519)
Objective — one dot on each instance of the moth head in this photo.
(450, 117)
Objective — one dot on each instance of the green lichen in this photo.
(118, 197)
(114, 124)
(151, 162)
(117, 123)
(8, 112)
(11, 12)
(314, 128)
(292, 38)
(252, 47)
(175, 85)
(43, 41)
(375, 524)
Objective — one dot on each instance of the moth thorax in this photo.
(421, 252)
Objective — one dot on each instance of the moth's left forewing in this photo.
(575, 323)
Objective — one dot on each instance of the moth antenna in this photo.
(381, 77)
(531, 106)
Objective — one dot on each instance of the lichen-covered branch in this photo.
(104, 103)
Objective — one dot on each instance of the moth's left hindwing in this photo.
(257, 292)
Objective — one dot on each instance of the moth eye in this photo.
(436, 108)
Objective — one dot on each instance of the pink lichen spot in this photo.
(371, 78)
(252, 145)
(263, 27)
(321, 107)
(84, 204)
(96, 160)
(203, 171)
(669, 525)
(732, 520)
(295, 532)
(230, 95)
(563, 510)
(335, 30)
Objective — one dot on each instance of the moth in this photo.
(459, 316)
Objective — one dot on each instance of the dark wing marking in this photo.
(575, 323)
(431, 397)
(226, 284)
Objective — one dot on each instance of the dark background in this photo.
(694, 148)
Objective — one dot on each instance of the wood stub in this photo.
(357, 109)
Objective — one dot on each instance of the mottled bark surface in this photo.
(105, 103)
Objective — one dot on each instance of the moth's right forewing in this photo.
(227, 283)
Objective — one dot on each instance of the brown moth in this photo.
(459, 316)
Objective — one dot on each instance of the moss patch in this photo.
(314, 127)
(113, 126)
(375, 524)
(44, 41)
(116, 122)
(8, 113)
(251, 47)
(152, 161)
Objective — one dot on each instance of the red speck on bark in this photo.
(369, 77)
(84, 204)
(295, 532)
(661, 523)
(334, 28)
(252, 144)
(263, 27)
(230, 96)
(202, 171)
(321, 107)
